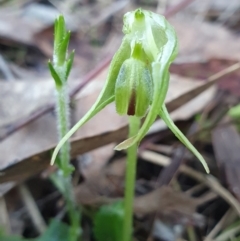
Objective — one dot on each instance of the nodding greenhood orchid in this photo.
(138, 77)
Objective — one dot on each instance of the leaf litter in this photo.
(161, 213)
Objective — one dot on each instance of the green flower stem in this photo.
(63, 124)
(73, 212)
(134, 125)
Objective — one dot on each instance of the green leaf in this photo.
(61, 41)
(57, 231)
(55, 76)
(56, 37)
(4, 237)
(234, 112)
(62, 49)
(59, 33)
(69, 64)
(108, 222)
(13, 238)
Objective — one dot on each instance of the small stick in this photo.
(230, 214)
(4, 218)
(194, 189)
(32, 209)
(212, 183)
(208, 180)
(5, 69)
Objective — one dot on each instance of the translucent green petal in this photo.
(167, 119)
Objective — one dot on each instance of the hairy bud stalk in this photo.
(62, 110)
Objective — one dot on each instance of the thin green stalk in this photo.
(191, 233)
(134, 124)
(73, 212)
(63, 123)
(63, 126)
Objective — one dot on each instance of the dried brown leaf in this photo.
(171, 207)
(226, 143)
(199, 41)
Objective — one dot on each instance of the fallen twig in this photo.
(230, 215)
(208, 180)
(32, 208)
(4, 218)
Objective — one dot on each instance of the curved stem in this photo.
(134, 124)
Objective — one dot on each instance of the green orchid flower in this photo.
(138, 78)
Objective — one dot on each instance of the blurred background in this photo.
(175, 200)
